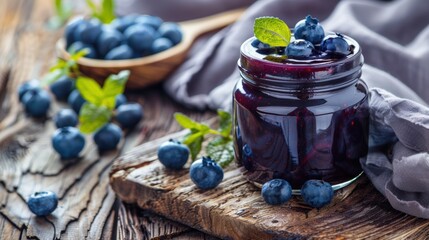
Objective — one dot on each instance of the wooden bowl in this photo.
(152, 69)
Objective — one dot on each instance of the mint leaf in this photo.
(93, 7)
(225, 123)
(92, 117)
(62, 67)
(189, 139)
(272, 31)
(195, 146)
(113, 86)
(221, 150)
(90, 90)
(108, 11)
(100, 101)
(52, 76)
(77, 55)
(186, 122)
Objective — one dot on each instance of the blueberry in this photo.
(108, 39)
(206, 173)
(88, 31)
(171, 31)
(140, 54)
(299, 49)
(68, 142)
(140, 37)
(259, 45)
(119, 100)
(70, 30)
(65, 118)
(129, 115)
(317, 193)
(62, 87)
(173, 154)
(152, 21)
(75, 100)
(263, 48)
(161, 44)
(121, 24)
(25, 87)
(108, 137)
(42, 203)
(247, 157)
(335, 44)
(120, 53)
(36, 102)
(309, 29)
(77, 46)
(276, 191)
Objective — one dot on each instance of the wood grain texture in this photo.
(235, 209)
(88, 208)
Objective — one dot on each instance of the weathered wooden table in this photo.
(88, 208)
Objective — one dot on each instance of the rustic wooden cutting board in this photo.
(235, 209)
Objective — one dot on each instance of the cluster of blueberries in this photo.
(131, 36)
(67, 140)
(205, 173)
(316, 193)
(310, 42)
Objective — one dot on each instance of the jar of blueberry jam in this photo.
(300, 119)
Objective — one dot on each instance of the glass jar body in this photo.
(297, 140)
(300, 133)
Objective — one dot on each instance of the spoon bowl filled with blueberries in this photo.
(146, 45)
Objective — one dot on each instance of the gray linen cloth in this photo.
(394, 36)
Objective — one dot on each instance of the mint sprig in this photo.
(219, 149)
(92, 117)
(100, 104)
(272, 31)
(105, 12)
(63, 67)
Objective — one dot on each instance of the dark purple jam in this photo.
(300, 120)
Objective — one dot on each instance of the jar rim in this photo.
(298, 74)
(357, 52)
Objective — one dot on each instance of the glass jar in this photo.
(300, 120)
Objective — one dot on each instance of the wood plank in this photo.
(235, 209)
(27, 161)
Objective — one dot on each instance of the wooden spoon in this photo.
(154, 68)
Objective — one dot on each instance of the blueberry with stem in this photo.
(205, 173)
(309, 29)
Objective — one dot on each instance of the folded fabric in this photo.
(394, 37)
(402, 177)
(178, 10)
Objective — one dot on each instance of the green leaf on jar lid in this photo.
(272, 31)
